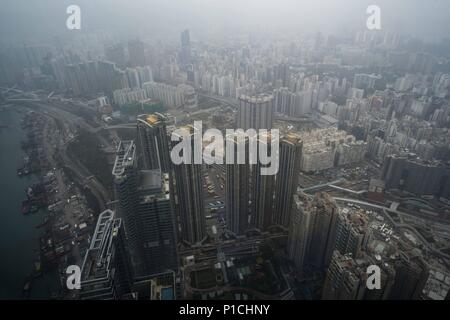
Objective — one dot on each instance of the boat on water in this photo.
(25, 209)
(36, 199)
(28, 207)
(24, 171)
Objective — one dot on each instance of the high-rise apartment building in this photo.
(176, 96)
(255, 112)
(324, 230)
(352, 232)
(344, 279)
(237, 189)
(411, 274)
(287, 177)
(262, 189)
(116, 54)
(312, 231)
(185, 53)
(411, 174)
(187, 182)
(365, 81)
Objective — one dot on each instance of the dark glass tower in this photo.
(144, 201)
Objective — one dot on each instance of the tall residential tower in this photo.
(144, 202)
(152, 142)
(287, 177)
(255, 112)
(187, 192)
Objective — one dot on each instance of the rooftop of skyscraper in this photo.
(259, 98)
(151, 119)
(292, 137)
(97, 259)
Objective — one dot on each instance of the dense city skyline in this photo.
(225, 150)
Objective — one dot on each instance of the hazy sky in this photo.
(34, 19)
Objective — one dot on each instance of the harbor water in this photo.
(19, 237)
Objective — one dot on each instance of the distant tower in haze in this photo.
(152, 142)
(255, 112)
(116, 54)
(136, 51)
(324, 230)
(185, 53)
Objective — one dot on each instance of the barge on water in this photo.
(36, 198)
